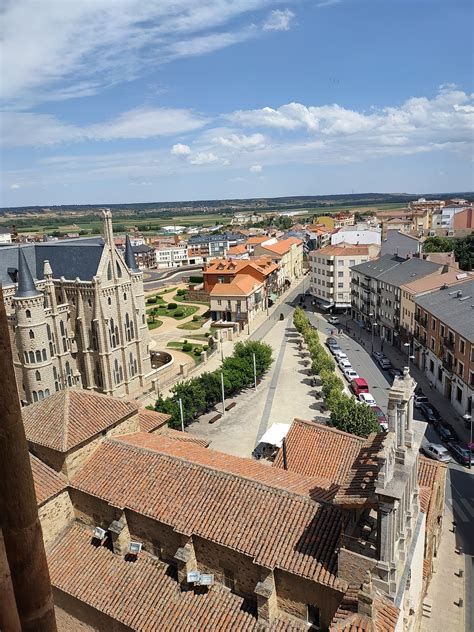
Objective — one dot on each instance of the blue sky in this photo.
(116, 101)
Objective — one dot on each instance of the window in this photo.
(38, 356)
(119, 270)
(109, 301)
(458, 394)
(471, 378)
(26, 357)
(340, 262)
(124, 296)
(32, 357)
(31, 334)
(340, 275)
(433, 343)
(440, 374)
(229, 578)
(340, 285)
(28, 313)
(44, 355)
(441, 330)
(462, 346)
(461, 369)
(431, 366)
(38, 376)
(433, 324)
(109, 272)
(219, 302)
(352, 262)
(35, 396)
(313, 615)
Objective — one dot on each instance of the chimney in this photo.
(120, 535)
(285, 464)
(365, 597)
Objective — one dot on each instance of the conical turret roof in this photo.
(129, 256)
(26, 285)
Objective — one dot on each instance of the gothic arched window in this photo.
(28, 313)
(38, 376)
(109, 272)
(31, 334)
(38, 356)
(45, 357)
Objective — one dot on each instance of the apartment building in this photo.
(445, 277)
(358, 235)
(376, 293)
(262, 269)
(172, 255)
(426, 205)
(287, 254)
(202, 248)
(330, 272)
(444, 342)
(238, 301)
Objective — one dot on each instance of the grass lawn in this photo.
(166, 290)
(181, 299)
(154, 324)
(159, 301)
(182, 311)
(193, 324)
(179, 347)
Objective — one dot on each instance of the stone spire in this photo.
(47, 270)
(26, 285)
(129, 256)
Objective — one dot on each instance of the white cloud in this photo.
(256, 169)
(69, 49)
(327, 3)
(180, 150)
(203, 158)
(287, 117)
(14, 186)
(27, 128)
(279, 20)
(241, 141)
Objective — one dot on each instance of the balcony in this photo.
(449, 343)
(355, 280)
(365, 287)
(448, 363)
(422, 320)
(421, 338)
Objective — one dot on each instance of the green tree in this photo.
(211, 384)
(262, 351)
(350, 416)
(153, 314)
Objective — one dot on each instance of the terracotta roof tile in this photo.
(347, 618)
(242, 285)
(140, 594)
(155, 440)
(283, 245)
(313, 449)
(341, 250)
(150, 420)
(48, 482)
(358, 487)
(235, 502)
(72, 416)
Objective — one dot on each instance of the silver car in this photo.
(437, 452)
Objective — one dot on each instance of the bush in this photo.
(151, 300)
(178, 313)
(196, 279)
(187, 346)
(171, 306)
(196, 317)
(205, 347)
(181, 292)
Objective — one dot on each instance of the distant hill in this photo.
(233, 205)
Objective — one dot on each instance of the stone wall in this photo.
(51, 457)
(353, 567)
(75, 616)
(55, 515)
(213, 558)
(157, 538)
(294, 594)
(92, 511)
(198, 295)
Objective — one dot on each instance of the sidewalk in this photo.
(441, 612)
(400, 360)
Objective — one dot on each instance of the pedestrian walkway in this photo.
(442, 611)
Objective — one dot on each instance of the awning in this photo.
(275, 434)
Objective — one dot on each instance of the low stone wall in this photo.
(198, 295)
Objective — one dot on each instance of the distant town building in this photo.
(287, 254)
(77, 315)
(145, 256)
(400, 243)
(171, 255)
(338, 220)
(5, 236)
(202, 248)
(330, 272)
(426, 205)
(357, 235)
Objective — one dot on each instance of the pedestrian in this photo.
(431, 385)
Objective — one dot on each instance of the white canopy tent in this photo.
(275, 434)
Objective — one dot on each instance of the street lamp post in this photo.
(372, 325)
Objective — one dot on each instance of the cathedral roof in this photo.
(129, 256)
(71, 417)
(26, 285)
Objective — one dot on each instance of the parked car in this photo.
(335, 350)
(381, 417)
(366, 398)
(461, 453)
(435, 412)
(384, 362)
(359, 385)
(377, 354)
(340, 355)
(445, 433)
(334, 320)
(437, 452)
(331, 342)
(344, 364)
(350, 374)
(427, 413)
(395, 373)
(419, 399)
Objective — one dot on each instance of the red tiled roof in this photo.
(341, 250)
(313, 449)
(242, 285)
(48, 482)
(140, 594)
(358, 486)
(155, 440)
(72, 416)
(347, 618)
(238, 506)
(431, 474)
(150, 420)
(239, 249)
(283, 245)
